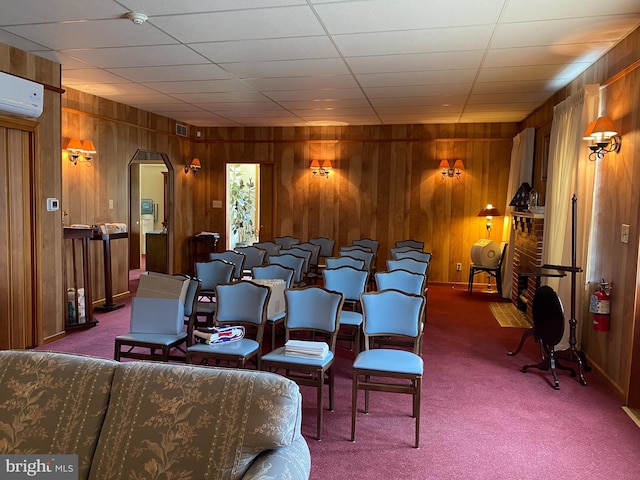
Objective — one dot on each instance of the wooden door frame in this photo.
(138, 159)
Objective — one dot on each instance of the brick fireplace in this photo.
(527, 255)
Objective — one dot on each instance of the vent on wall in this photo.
(182, 130)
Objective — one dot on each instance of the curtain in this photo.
(569, 173)
(520, 171)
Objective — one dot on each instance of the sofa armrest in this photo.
(292, 462)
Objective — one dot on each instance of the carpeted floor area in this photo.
(508, 315)
(481, 417)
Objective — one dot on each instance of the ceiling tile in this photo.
(418, 90)
(90, 75)
(287, 68)
(526, 10)
(302, 83)
(16, 12)
(551, 54)
(255, 23)
(416, 62)
(335, 103)
(137, 56)
(294, 95)
(385, 15)
(200, 86)
(296, 48)
(427, 77)
(167, 7)
(414, 41)
(94, 34)
(172, 73)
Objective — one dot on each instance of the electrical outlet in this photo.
(458, 267)
(110, 204)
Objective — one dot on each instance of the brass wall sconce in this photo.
(489, 212)
(193, 167)
(448, 171)
(603, 136)
(80, 151)
(320, 170)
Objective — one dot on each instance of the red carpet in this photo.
(481, 417)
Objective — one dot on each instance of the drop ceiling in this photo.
(321, 62)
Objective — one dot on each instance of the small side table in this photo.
(200, 247)
(106, 238)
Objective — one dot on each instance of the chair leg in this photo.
(470, 284)
(499, 283)
(320, 405)
(354, 405)
(416, 403)
(367, 379)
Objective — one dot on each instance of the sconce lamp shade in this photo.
(458, 165)
(315, 164)
(74, 144)
(326, 166)
(193, 167)
(88, 146)
(603, 128)
(489, 211)
(444, 164)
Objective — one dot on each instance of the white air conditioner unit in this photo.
(20, 97)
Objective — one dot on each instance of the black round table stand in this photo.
(548, 328)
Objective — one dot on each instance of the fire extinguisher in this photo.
(600, 306)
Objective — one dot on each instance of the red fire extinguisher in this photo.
(600, 306)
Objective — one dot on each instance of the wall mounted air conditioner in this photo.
(20, 97)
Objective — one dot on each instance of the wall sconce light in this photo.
(604, 137)
(193, 167)
(448, 171)
(80, 151)
(322, 171)
(489, 212)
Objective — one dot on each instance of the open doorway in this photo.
(151, 197)
(242, 204)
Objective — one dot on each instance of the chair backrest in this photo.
(191, 298)
(242, 302)
(270, 272)
(395, 250)
(403, 280)
(314, 249)
(362, 255)
(415, 244)
(353, 248)
(392, 312)
(290, 261)
(369, 243)
(335, 262)
(349, 281)
(237, 259)
(415, 254)
(409, 264)
(299, 252)
(253, 256)
(326, 245)
(286, 241)
(314, 309)
(272, 248)
(213, 272)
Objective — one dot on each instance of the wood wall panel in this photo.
(44, 289)
(615, 353)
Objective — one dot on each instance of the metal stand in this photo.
(572, 353)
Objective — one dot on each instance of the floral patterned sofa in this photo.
(143, 420)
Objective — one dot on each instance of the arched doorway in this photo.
(161, 209)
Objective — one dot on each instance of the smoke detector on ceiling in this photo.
(137, 18)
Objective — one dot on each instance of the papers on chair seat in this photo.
(308, 349)
(217, 335)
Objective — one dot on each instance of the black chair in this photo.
(495, 272)
(548, 328)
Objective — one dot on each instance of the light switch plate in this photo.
(624, 233)
(53, 204)
(216, 204)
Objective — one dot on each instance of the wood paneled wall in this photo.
(616, 202)
(385, 183)
(43, 275)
